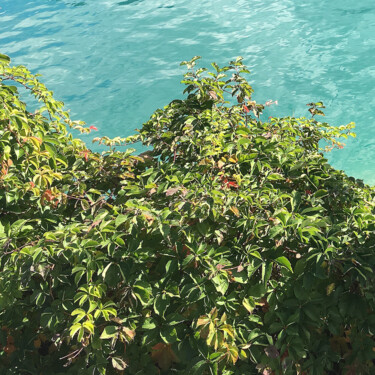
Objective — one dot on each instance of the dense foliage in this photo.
(231, 246)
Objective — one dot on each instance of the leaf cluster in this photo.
(231, 246)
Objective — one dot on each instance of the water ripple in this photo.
(113, 62)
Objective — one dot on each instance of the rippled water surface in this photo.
(113, 62)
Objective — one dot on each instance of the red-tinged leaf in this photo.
(93, 127)
(48, 195)
(228, 182)
(245, 109)
(186, 250)
(232, 184)
(285, 355)
(85, 154)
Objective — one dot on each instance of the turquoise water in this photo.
(114, 62)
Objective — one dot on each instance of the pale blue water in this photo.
(114, 62)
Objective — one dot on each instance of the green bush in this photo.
(231, 246)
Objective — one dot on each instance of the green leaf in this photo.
(277, 229)
(4, 59)
(120, 241)
(120, 219)
(244, 141)
(275, 176)
(50, 320)
(161, 303)
(149, 324)
(168, 334)
(199, 368)
(90, 243)
(320, 193)
(85, 204)
(283, 261)
(40, 299)
(74, 329)
(174, 319)
(143, 291)
(109, 332)
(256, 332)
(221, 283)
(89, 326)
(249, 304)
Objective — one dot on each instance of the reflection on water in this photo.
(127, 2)
(78, 4)
(113, 62)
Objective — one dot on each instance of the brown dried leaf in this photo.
(129, 333)
(279, 242)
(149, 218)
(213, 94)
(172, 191)
(163, 356)
(220, 164)
(271, 351)
(202, 321)
(152, 191)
